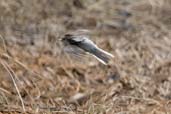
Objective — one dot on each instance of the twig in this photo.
(22, 65)
(11, 73)
(5, 91)
(143, 99)
(3, 95)
(3, 41)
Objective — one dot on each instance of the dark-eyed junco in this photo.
(84, 43)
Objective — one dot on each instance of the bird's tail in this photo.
(102, 56)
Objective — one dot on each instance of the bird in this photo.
(83, 42)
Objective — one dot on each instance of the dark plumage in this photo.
(84, 43)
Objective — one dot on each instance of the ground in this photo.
(38, 77)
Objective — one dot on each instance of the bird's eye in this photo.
(63, 39)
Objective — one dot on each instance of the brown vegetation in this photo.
(37, 77)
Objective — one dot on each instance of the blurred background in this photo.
(37, 77)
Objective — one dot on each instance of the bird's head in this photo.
(66, 39)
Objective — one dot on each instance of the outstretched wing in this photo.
(71, 49)
(75, 53)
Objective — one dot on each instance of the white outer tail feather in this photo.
(108, 54)
(99, 60)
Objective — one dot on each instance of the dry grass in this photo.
(138, 80)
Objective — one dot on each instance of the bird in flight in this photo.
(83, 43)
